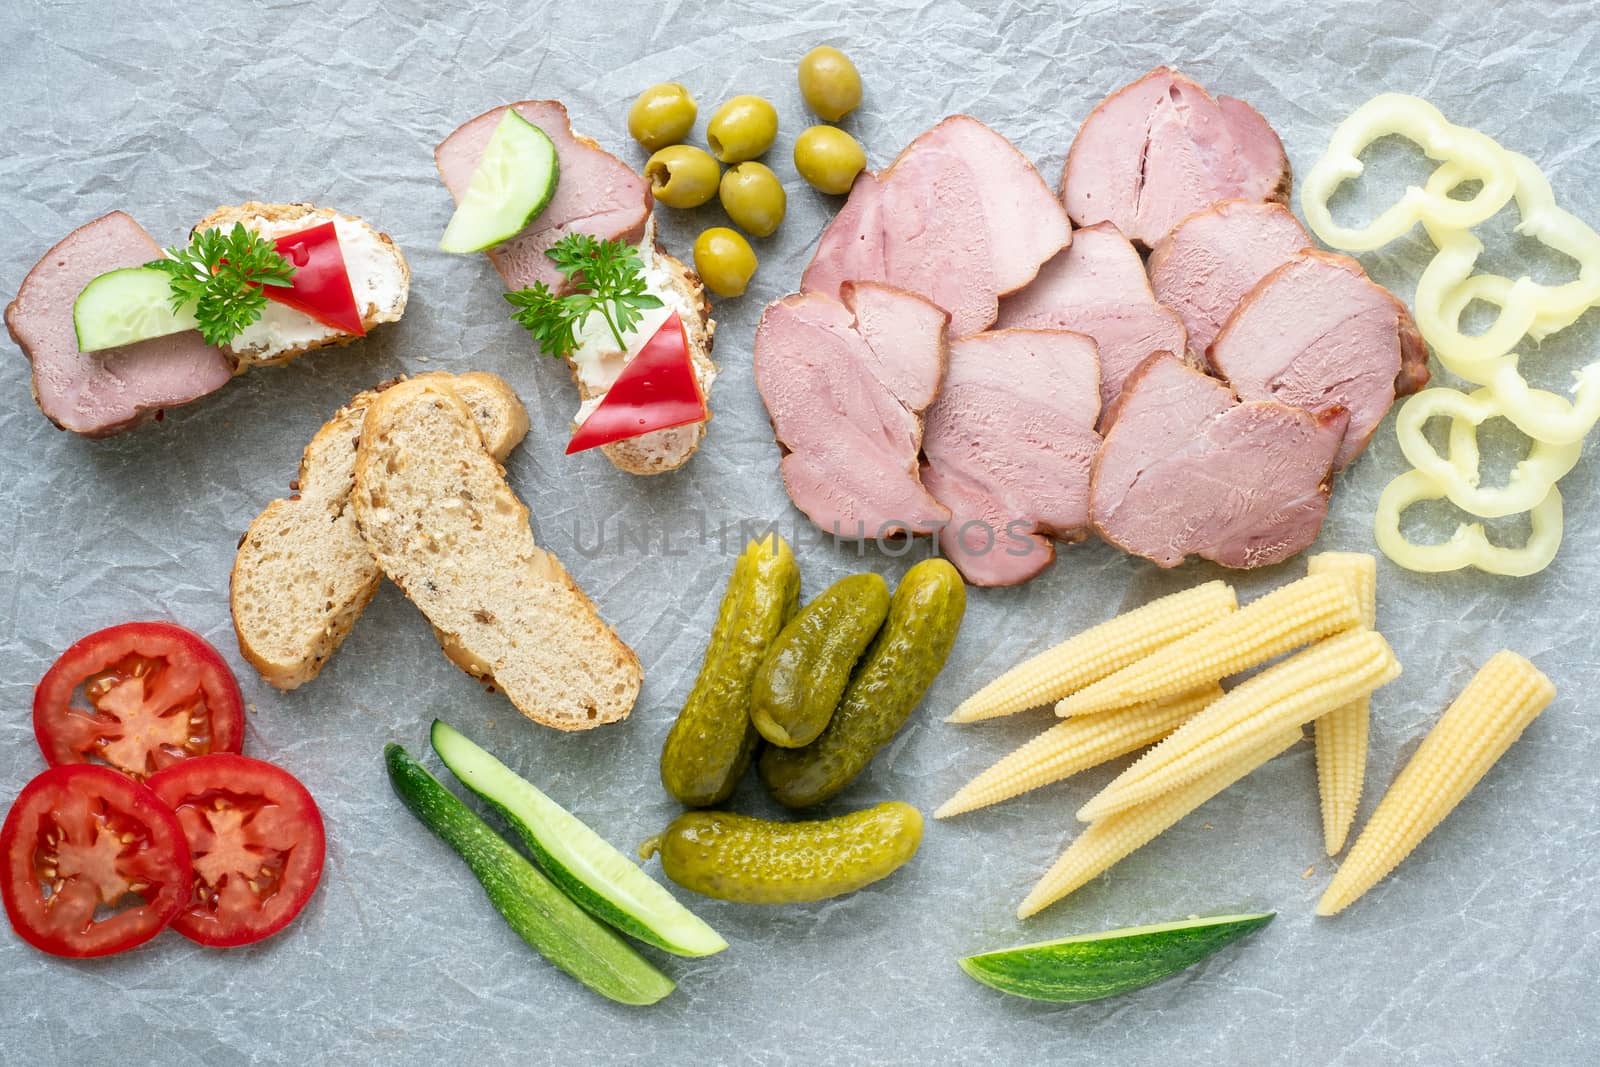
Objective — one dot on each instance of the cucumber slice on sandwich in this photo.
(122, 307)
(512, 183)
(602, 880)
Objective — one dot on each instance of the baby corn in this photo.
(1073, 746)
(1474, 732)
(1097, 652)
(1295, 615)
(1341, 734)
(1325, 676)
(1105, 843)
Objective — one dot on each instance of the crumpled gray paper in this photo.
(1485, 948)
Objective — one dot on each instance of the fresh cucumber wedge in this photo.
(599, 878)
(124, 306)
(1092, 966)
(540, 913)
(512, 183)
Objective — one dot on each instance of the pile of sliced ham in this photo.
(1195, 405)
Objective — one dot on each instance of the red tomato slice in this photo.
(656, 390)
(156, 694)
(257, 842)
(320, 286)
(95, 863)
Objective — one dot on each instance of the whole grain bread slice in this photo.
(436, 513)
(380, 277)
(303, 575)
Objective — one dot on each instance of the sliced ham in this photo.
(1098, 287)
(851, 247)
(98, 394)
(1203, 268)
(1319, 334)
(846, 382)
(960, 217)
(597, 193)
(1161, 148)
(1009, 445)
(1188, 469)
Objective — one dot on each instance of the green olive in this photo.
(828, 158)
(742, 129)
(724, 261)
(662, 115)
(830, 83)
(753, 197)
(682, 175)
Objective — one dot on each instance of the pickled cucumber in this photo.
(805, 672)
(887, 685)
(755, 861)
(710, 745)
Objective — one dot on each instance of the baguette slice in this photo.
(303, 576)
(380, 278)
(660, 450)
(436, 513)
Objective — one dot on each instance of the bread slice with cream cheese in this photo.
(380, 279)
(595, 362)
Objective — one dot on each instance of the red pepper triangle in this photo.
(657, 389)
(321, 283)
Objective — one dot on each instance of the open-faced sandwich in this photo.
(118, 330)
(569, 228)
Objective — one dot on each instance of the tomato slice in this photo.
(155, 692)
(656, 390)
(257, 841)
(320, 286)
(95, 863)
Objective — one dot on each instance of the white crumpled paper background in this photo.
(1485, 948)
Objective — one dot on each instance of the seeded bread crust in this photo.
(303, 575)
(666, 450)
(371, 314)
(438, 517)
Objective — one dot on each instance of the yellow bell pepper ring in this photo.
(1469, 546)
(1529, 482)
(1416, 120)
(1526, 306)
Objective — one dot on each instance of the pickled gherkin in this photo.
(756, 861)
(711, 743)
(908, 653)
(808, 666)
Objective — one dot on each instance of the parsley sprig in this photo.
(607, 279)
(220, 275)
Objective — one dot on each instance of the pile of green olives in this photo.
(738, 133)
